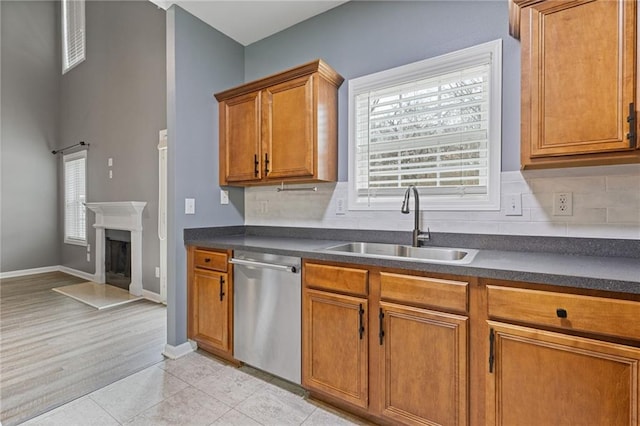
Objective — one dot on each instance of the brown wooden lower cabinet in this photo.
(424, 366)
(210, 301)
(336, 346)
(211, 310)
(386, 360)
(407, 348)
(546, 378)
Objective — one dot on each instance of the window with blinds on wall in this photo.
(73, 34)
(434, 124)
(75, 189)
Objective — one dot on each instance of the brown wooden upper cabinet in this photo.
(579, 81)
(282, 128)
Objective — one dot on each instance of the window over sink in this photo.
(435, 124)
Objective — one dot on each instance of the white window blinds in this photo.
(428, 124)
(75, 229)
(73, 33)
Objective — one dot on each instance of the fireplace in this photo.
(119, 216)
(117, 258)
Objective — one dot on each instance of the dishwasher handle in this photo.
(288, 268)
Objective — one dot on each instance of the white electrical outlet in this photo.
(562, 204)
(264, 207)
(341, 206)
(110, 174)
(157, 272)
(189, 206)
(224, 196)
(513, 205)
(110, 162)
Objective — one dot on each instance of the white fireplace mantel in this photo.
(126, 216)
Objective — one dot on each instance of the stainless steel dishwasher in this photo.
(267, 313)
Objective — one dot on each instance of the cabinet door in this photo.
(240, 139)
(546, 378)
(578, 78)
(335, 353)
(288, 129)
(210, 308)
(424, 369)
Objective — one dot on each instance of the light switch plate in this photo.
(189, 206)
(341, 206)
(110, 162)
(224, 196)
(513, 205)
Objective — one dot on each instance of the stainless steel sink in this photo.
(397, 251)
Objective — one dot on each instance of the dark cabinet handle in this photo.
(255, 165)
(207, 260)
(381, 333)
(631, 119)
(266, 163)
(221, 288)
(562, 313)
(492, 355)
(361, 328)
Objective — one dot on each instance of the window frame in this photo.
(67, 158)
(450, 62)
(66, 44)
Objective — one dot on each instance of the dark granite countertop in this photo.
(611, 273)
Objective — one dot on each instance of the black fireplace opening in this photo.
(117, 258)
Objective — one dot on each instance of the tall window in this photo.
(434, 124)
(75, 191)
(73, 34)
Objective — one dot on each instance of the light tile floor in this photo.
(195, 390)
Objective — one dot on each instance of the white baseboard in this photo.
(32, 271)
(76, 273)
(150, 295)
(175, 352)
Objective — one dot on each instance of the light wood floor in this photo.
(54, 349)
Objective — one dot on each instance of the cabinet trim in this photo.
(515, 7)
(319, 66)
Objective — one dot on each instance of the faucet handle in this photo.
(424, 236)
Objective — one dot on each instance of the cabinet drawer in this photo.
(336, 278)
(590, 314)
(216, 261)
(434, 292)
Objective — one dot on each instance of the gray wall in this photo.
(362, 37)
(30, 81)
(116, 101)
(200, 62)
(356, 39)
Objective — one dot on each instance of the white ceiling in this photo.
(249, 21)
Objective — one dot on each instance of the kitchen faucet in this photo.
(417, 235)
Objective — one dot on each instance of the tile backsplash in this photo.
(606, 204)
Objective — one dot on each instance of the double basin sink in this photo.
(403, 252)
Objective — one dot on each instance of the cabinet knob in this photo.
(562, 313)
(207, 260)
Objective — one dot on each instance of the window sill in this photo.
(76, 242)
